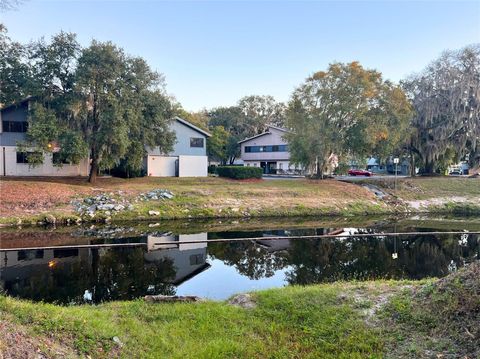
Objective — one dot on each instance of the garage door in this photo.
(161, 166)
(193, 166)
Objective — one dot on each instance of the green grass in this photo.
(441, 318)
(420, 188)
(308, 322)
(373, 319)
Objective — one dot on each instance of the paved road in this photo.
(359, 178)
(339, 178)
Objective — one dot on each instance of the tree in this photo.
(446, 99)
(96, 102)
(217, 145)
(261, 111)
(346, 110)
(249, 118)
(15, 71)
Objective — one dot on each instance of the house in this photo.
(13, 126)
(188, 157)
(268, 150)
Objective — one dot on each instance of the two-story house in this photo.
(187, 159)
(268, 150)
(13, 127)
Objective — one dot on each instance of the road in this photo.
(339, 178)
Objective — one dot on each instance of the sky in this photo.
(212, 53)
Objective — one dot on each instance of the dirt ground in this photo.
(16, 343)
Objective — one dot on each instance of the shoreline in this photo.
(67, 201)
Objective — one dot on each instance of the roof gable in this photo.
(267, 132)
(192, 126)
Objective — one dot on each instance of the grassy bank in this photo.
(395, 319)
(28, 201)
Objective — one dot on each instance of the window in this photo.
(196, 259)
(57, 159)
(22, 157)
(196, 142)
(14, 126)
(274, 148)
(29, 254)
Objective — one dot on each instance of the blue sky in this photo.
(213, 53)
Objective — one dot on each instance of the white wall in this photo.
(161, 166)
(12, 168)
(193, 166)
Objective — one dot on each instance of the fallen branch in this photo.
(171, 298)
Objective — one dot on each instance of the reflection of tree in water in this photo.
(123, 275)
(116, 274)
(249, 259)
(361, 258)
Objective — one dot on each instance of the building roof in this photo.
(267, 132)
(192, 126)
(15, 104)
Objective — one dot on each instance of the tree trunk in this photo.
(429, 167)
(92, 178)
(412, 164)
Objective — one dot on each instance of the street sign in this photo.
(396, 160)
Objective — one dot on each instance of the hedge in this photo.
(239, 172)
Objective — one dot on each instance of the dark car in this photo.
(359, 173)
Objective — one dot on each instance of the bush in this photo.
(239, 172)
(212, 169)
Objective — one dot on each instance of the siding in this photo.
(274, 137)
(182, 145)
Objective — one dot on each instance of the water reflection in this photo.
(76, 275)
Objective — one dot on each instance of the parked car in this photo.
(354, 172)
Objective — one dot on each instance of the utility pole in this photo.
(396, 160)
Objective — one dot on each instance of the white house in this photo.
(188, 158)
(13, 126)
(268, 150)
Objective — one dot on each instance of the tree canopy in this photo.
(346, 110)
(95, 101)
(446, 99)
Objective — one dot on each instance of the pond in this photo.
(94, 264)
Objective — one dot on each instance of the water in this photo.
(63, 269)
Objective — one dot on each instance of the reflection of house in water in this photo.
(19, 267)
(189, 259)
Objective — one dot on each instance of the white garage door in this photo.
(161, 166)
(193, 166)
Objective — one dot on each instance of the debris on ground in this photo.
(114, 202)
(155, 195)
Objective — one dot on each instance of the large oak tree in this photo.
(346, 110)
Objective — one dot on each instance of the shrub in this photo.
(239, 172)
(212, 169)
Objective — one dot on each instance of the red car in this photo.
(359, 173)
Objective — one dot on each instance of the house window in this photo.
(273, 148)
(14, 126)
(58, 159)
(196, 259)
(196, 142)
(22, 157)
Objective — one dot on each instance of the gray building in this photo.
(188, 157)
(268, 150)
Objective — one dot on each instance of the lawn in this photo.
(194, 197)
(374, 319)
(29, 200)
